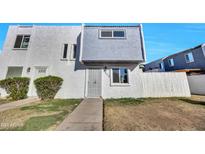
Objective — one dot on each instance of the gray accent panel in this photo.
(112, 49)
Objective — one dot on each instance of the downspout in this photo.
(81, 43)
(142, 43)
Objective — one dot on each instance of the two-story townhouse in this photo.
(191, 61)
(155, 66)
(94, 61)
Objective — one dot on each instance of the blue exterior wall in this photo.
(154, 66)
(180, 62)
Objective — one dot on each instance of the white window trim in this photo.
(22, 42)
(170, 65)
(72, 52)
(112, 30)
(119, 84)
(188, 55)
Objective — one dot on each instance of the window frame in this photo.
(23, 36)
(161, 66)
(112, 30)
(72, 52)
(10, 67)
(120, 83)
(170, 65)
(63, 48)
(188, 56)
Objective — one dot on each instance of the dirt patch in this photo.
(156, 114)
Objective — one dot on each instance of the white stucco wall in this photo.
(197, 84)
(118, 91)
(45, 49)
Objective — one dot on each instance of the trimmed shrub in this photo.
(47, 87)
(16, 87)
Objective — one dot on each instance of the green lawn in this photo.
(46, 115)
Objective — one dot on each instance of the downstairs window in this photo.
(120, 75)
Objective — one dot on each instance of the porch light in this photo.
(105, 68)
(28, 69)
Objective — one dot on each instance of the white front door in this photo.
(94, 82)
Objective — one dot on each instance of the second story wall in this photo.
(45, 45)
(48, 43)
(127, 48)
(16, 57)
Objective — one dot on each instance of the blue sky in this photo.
(160, 39)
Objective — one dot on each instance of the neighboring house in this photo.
(155, 66)
(94, 61)
(190, 61)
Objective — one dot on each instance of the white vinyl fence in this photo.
(166, 84)
(197, 84)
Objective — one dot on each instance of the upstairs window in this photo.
(118, 33)
(171, 62)
(161, 66)
(73, 52)
(65, 51)
(112, 34)
(106, 34)
(189, 57)
(69, 51)
(22, 42)
(120, 75)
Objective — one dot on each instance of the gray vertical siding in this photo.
(180, 62)
(154, 66)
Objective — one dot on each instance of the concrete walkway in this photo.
(19, 103)
(88, 116)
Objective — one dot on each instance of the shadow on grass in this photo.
(124, 101)
(53, 105)
(37, 123)
(193, 101)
